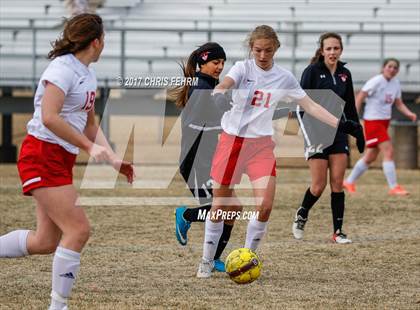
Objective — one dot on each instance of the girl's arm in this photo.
(317, 111)
(96, 135)
(404, 110)
(349, 126)
(360, 98)
(92, 141)
(350, 109)
(223, 102)
(225, 85)
(51, 106)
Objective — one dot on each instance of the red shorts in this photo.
(44, 164)
(376, 131)
(236, 155)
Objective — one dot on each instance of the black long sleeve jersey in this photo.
(200, 123)
(318, 76)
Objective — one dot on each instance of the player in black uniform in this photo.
(327, 72)
(200, 120)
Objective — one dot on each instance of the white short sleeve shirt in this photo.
(78, 82)
(381, 95)
(255, 98)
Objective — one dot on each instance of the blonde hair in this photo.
(263, 32)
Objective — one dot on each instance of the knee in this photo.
(85, 234)
(369, 158)
(49, 247)
(45, 246)
(318, 189)
(81, 236)
(336, 185)
(389, 154)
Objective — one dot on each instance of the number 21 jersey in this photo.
(255, 98)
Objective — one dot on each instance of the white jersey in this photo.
(381, 95)
(255, 98)
(78, 82)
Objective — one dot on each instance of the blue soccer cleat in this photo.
(219, 265)
(181, 226)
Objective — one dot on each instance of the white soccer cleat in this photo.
(298, 227)
(205, 268)
(340, 238)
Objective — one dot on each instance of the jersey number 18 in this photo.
(90, 101)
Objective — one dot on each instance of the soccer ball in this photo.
(243, 266)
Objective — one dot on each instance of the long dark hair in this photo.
(189, 68)
(78, 33)
(318, 54)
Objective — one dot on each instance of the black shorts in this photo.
(338, 147)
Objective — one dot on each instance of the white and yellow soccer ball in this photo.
(243, 266)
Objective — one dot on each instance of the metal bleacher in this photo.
(149, 37)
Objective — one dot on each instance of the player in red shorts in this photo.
(245, 145)
(63, 122)
(380, 93)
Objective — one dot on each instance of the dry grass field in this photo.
(133, 260)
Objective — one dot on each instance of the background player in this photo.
(63, 122)
(245, 145)
(200, 129)
(380, 92)
(326, 71)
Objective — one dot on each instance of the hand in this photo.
(412, 117)
(99, 153)
(125, 168)
(349, 127)
(354, 129)
(360, 142)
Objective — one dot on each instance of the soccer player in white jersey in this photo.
(245, 145)
(63, 122)
(380, 93)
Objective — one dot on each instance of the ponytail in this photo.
(180, 94)
(317, 57)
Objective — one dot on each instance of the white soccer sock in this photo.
(359, 168)
(213, 232)
(390, 174)
(13, 244)
(254, 233)
(66, 265)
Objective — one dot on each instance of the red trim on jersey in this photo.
(44, 164)
(236, 155)
(376, 132)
